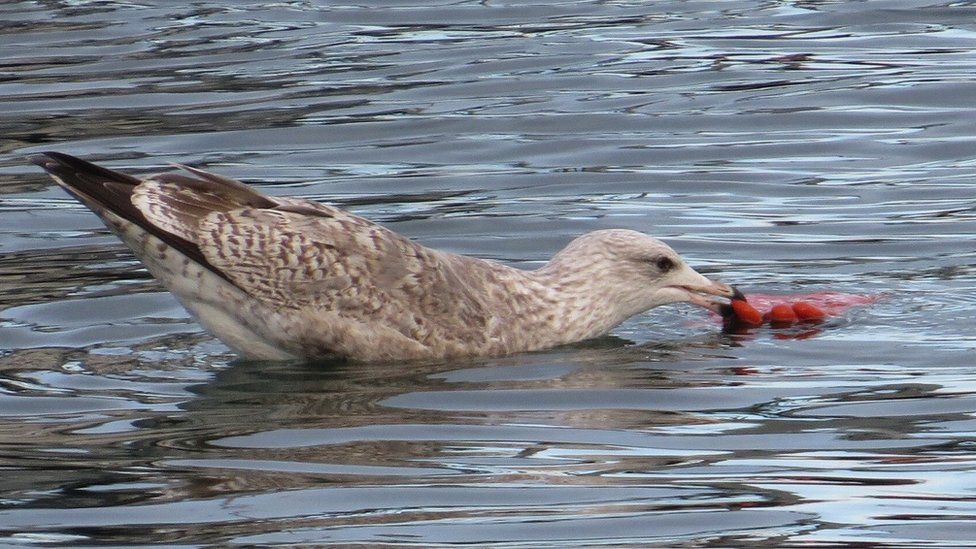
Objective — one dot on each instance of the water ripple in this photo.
(781, 146)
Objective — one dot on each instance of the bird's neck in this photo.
(543, 308)
(583, 308)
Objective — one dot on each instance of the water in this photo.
(780, 146)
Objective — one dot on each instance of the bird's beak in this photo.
(700, 291)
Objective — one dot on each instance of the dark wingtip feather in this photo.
(41, 159)
(107, 191)
(62, 165)
(47, 160)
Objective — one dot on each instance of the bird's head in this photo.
(635, 272)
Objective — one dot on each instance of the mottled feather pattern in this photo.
(289, 278)
(176, 209)
(339, 263)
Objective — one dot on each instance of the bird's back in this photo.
(278, 277)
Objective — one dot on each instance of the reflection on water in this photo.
(625, 444)
(783, 147)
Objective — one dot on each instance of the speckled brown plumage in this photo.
(283, 278)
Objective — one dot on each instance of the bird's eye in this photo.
(664, 264)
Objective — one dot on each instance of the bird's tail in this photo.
(110, 195)
(101, 189)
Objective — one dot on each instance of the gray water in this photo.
(781, 146)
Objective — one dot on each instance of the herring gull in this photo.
(286, 278)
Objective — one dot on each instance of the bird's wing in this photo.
(310, 262)
(317, 259)
(167, 206)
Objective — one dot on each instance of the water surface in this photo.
(781, 146)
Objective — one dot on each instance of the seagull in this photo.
(280, 278)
